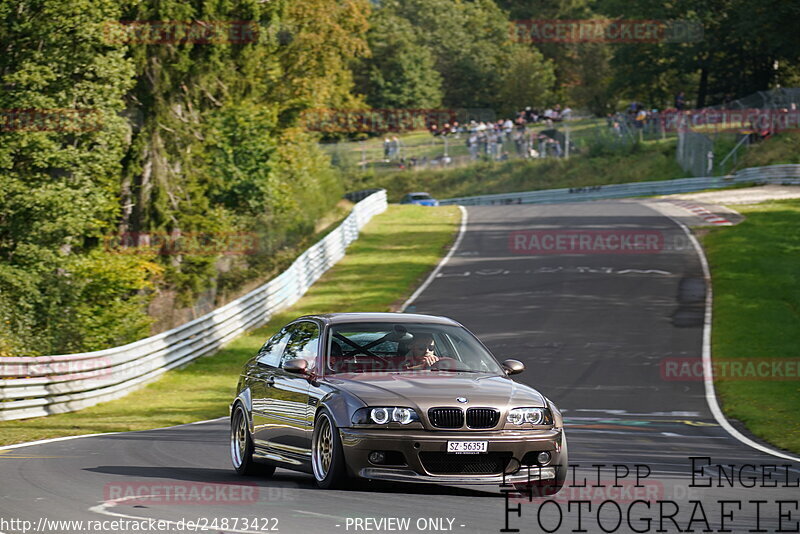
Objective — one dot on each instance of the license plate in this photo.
(467, 447)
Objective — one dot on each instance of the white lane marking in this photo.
(708, 375)
(103, 509)
(326, 516)
(625, 412)
(644, 271)
(461, 231)
(66, 438)
(449, 275)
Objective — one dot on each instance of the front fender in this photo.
(245, 399)
(341, 406)
(558, 420)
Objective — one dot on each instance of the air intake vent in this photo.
(482, 417)
(446, 417)
(442, 463)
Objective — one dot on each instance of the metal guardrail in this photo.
(43, 385)
(773, 174)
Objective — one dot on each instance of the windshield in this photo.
(421, 196)
(387, 347)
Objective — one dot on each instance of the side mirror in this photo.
(513, 367)
(296, 365)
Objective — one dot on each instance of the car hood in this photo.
(428, 390)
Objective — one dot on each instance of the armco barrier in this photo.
(38, 386)
(774, 174)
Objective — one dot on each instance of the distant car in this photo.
(399, 397)
(421, 199)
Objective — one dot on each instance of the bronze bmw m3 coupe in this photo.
(391, 396)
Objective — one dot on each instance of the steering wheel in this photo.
(448, 364)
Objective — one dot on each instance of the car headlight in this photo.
(384, 414)
(533, 416)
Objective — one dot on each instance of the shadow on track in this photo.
(282, 479)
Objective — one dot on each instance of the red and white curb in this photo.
(702, 212)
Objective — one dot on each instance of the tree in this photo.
(174, 136)
(469, 41)
(319, 41)
(582, 69)
(400, 73)
(59, 171)
(527, 80)
(744, 48)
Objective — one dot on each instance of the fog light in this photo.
(377, 457)
(543, 458)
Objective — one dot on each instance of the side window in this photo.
(270, 353)
(444, 347)
(303, 343)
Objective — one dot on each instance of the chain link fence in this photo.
(695, 153)
(728, 129)
(785, 97)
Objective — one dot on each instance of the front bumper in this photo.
(546, 474)
(510, 444)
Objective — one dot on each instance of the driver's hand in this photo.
(430, 359)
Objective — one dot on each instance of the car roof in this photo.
(420, 193)
(369, 317)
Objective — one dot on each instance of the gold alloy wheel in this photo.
(238, 438)
(322, 451)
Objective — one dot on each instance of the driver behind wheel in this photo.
(421, 353)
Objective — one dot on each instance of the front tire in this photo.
(327, 457)
(242, 447)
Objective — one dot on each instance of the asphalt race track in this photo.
(597, 332)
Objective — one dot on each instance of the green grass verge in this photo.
(395, 251)
(651, 160)
(755, 268)
(779, 149)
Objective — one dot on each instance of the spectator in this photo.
(641, 118)
(530, 115)
(472, 145)
(680, 101)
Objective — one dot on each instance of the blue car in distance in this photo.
(421, 199)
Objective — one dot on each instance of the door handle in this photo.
(269, 381)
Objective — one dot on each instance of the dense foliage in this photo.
(177, 137)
